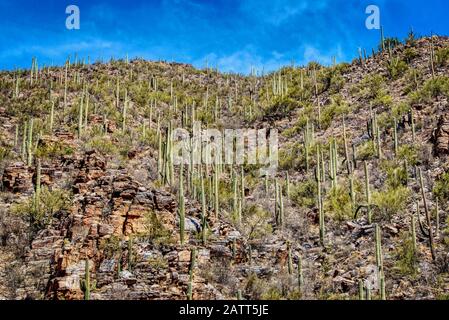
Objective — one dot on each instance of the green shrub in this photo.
(441, 188)
(255, 222)
(155, 230)
(304, 194)
(290, 156)
(371, 86)
(110, 246)
(158, 263)
(272, 293)
(366, 151)
(391, 201)
(406, 258)
(383, 100)
(433, 88)
(338, 203)
(396, 68)
(396, 174)
(52, 149)
(4, 154)
(409, 153)
(336, 108)
(410, 54)
(399, 110)
(41, 214)
(442, 57)
(104, 145)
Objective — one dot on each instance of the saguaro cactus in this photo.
(37, 193)
(428, 218)
(125, 106)
(395, 136)
(86, 285)
(367, 206)
(345, 142)
(203, 213)
(216, 191)
(80, 118)
(289, 260)
(413, 231)
(361, 290)
(52, 115)
(181, 206)
(24, 142)
(300, 275)
(191, 270)
(130, 254)
(319, 199)
(30, 143)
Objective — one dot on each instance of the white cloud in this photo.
(277, 12)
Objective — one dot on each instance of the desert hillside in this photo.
(93, 207)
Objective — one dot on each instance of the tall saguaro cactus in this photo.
(30, 143)
(86, 285)
(428, 218)
(191, 270)
(367, 205)
(181, 206)
(320, 200)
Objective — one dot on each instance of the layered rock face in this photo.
(109, 207)
(441, 136)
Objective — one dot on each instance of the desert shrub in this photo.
(255, 222)
(103, 145)
(399, 110)
(433, 88)
(441, 188)
(333, 78)
(396, 174)
(150, 138)
(52, 149)
(442, 57)
(110, 246)
(158, 263)
(409, 153)
(396, 68)
(4, 154)
(272, 293)
(366, 151)
(412, 79)
(383, 100)
(303, 194)
(155, 230)
(371, 86)
(410, 54)
(336, 108)
(391, 200)
(289, 157)
(254, 287)
(41, 213)
(411, 39)
(14, 236)
(338, 203)
(406, 258)
(305, 116)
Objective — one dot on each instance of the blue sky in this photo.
(233, 35)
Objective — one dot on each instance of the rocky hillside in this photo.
(93, 207)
